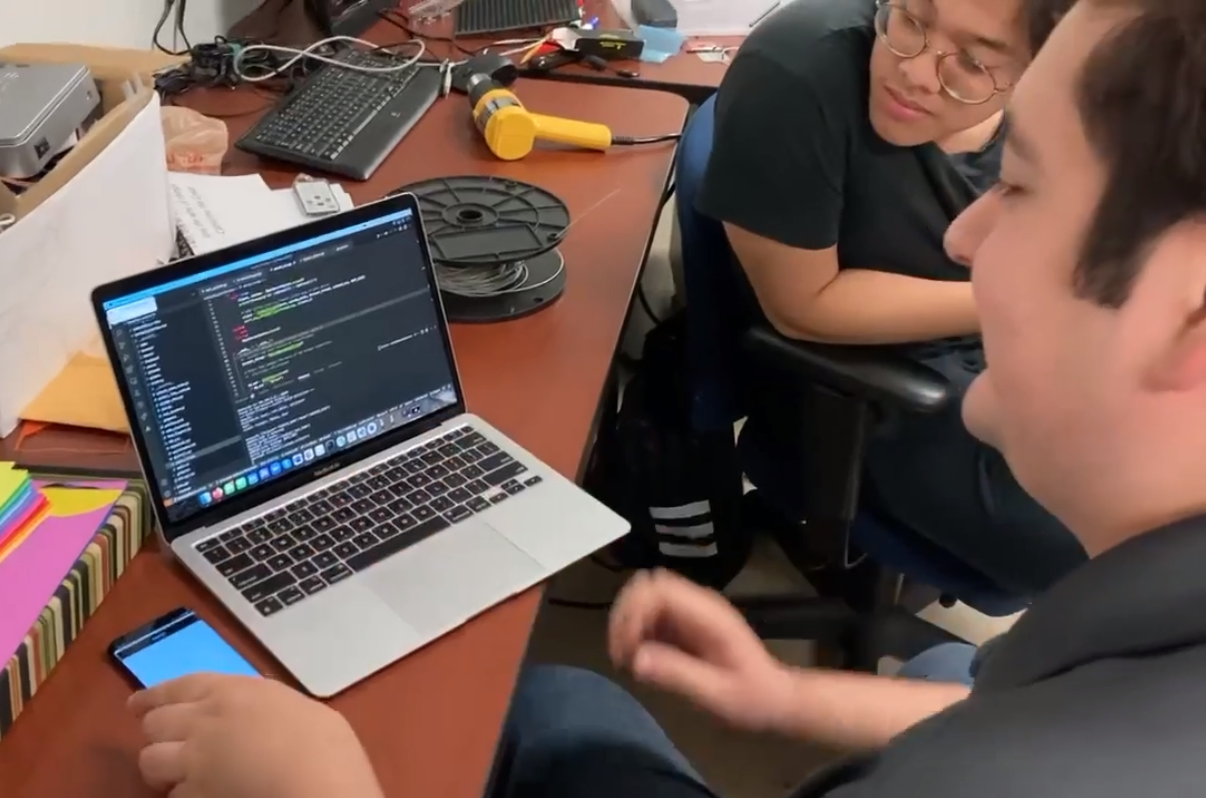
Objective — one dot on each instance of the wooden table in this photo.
(431, 722)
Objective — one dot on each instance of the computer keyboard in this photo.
(345, 121)
(317, 541)
(474, 17)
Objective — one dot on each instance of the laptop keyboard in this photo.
(298, 550)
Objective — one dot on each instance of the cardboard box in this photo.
(101, 214)
(126, 82)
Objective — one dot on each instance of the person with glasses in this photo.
(848, 136)
(1088, 263)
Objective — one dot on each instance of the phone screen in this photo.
(178, 644)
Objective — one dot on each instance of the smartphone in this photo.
(177, 644)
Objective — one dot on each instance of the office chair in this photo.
(850, 390)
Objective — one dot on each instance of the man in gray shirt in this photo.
(1089, 271)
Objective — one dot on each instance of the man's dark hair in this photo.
(1041, 17)
(1142, 101)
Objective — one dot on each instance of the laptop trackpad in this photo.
(451, 577)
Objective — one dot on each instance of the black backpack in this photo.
(678, 487)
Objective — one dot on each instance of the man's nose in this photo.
(968, 231)
(921, 71)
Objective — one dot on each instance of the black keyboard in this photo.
(345, 121)
(319, 540)
(493, 16)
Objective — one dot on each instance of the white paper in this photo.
(213, 212)
(711, 17)
(110, 221)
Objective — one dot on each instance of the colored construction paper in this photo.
(32, 572)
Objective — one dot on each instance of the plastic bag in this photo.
(195, 142)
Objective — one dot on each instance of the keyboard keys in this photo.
(250, 576)
(206, 546)
(232, 566)
(336, 573)
(312, 585)
(293, 552)
(269, 587)
(365, 540)
(291, 595)
(458, 513)
(304, 569)
(279, 562)
(393, 545)
(215, 554)
(501, 475)
(238, 545)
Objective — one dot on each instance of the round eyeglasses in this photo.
(962, 77)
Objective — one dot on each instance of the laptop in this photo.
(298, 415)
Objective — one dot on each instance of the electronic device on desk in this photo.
(346, 119)
(44, 108)
(655, 13)
(311, 460)
(494, 245)
(348, 17)
(476, 17)
(176, 644)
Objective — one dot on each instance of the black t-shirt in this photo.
(796, 160)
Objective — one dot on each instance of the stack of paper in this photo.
(213, 212)
(22, 508)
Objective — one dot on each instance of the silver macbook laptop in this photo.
(298, 414)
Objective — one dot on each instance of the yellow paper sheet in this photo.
(84, 394)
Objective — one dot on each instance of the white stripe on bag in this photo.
(689, 532)
(682, 511)
(684, 551)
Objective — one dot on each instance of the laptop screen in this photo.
(251, 369)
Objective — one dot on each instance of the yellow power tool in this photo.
(511, 131)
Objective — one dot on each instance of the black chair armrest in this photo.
(877, 374)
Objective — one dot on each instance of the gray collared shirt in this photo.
(1098, 691)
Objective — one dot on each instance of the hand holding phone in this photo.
(224, 736)
(177, 644)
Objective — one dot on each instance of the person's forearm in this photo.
(869, 307)
(855, 710)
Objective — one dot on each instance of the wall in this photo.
(124, 23)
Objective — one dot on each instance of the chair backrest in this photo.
(714, 319)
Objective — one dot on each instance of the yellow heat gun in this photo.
(511, 131)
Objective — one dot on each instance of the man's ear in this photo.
(1183, 365)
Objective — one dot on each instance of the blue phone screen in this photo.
(181, 646)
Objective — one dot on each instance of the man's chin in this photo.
(898, 134)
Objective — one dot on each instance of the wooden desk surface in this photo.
(430, 722)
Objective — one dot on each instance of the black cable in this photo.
(181, 6)
(579, 605)
(646, 305)
(163, 18)
(631, 141)
(402, 23)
